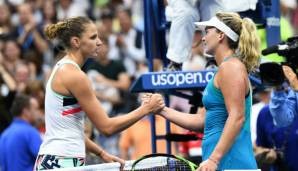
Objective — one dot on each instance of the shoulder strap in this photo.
(68, 61)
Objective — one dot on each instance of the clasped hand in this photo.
(153, 102)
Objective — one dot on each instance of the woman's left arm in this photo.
(97, 150)
(233, 83)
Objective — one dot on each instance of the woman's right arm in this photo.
(80, 87)
(193, 122)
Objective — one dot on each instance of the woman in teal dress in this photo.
(234, 43)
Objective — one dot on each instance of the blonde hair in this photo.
(64, 30)
(249, 42)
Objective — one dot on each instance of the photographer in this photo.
(276, 147)
(277, 124)
(283, 105)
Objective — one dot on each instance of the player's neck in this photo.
(222, 54)
(76, 57)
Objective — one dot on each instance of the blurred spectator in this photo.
(109, 4)
(22, 76)
(71, 8)
(129, 41)
(287, 7)
(28, 35)
(137, 12)
(11, 55)
(263, 97)
(49, 13)
(135, 141)
(36, 9)
(49, 16)
(7, 94)
(5, 23)
(276, 147)
(19, 143)
(35, 88)
(106, 28)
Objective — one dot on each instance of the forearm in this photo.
(193, 122)
(93, 147)
(41, 44)
(119, 123)
(10, 82)
(21, 39)
(231, 130)
(97, 150)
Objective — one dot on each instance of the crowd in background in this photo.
(26, 60)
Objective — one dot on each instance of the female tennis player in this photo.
(69, 96)
(227, 98)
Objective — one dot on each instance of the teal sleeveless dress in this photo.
(240, 155)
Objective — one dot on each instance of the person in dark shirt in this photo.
(110, 80)
(8, 91)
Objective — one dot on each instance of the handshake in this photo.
(153, 103)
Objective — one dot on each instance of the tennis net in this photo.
(149, 164)
(144, 165)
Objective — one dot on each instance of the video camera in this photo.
(271, 72)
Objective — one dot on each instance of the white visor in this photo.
(215, 22)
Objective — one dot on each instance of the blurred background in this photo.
(27, 57)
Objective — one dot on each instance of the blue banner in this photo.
(183, 79)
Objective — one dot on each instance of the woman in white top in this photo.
(69, 96)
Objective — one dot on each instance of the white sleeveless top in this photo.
(64, 121)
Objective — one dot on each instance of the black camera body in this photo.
(271, 72)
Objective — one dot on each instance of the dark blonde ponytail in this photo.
(248, 44)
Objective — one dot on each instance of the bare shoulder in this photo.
(232, 67)
(71, 75)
